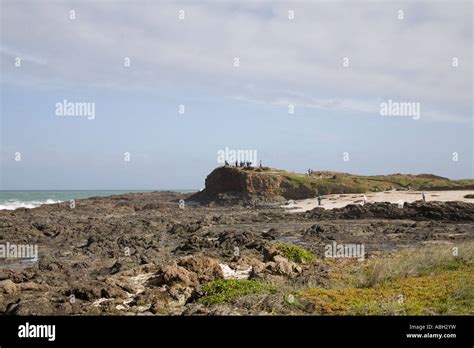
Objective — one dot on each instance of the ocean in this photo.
(10, 200)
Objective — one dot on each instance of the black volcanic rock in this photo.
(450, 211)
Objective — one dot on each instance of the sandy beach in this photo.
(341, 200)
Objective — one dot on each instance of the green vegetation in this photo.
(224, 290)
(447, 292)
(295, 253)
(416, 262)
(297, 180)
(420, 182)
(298, 186)
(430, 280)
(322, 183)
(427, 281)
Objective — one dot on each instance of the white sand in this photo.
(339, 201)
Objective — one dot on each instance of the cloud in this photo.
(407, 59)
(13, 54)
(367, 107)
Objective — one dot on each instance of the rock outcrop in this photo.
(252, 186)
(444, 211)
(239, 185)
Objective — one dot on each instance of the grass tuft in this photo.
(225, 290)
(295, 253)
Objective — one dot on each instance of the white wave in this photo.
(12, 205)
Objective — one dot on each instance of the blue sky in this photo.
(190, 62)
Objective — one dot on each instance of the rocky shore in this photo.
(146, 254)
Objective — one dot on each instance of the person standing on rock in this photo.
(365, 199)
(319, 200)
(423, 196)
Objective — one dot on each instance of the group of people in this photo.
(242, 164)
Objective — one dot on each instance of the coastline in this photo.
(13, 199)
(145, 254)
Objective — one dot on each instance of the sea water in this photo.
(10, 200)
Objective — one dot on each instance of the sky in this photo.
(237, 68)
